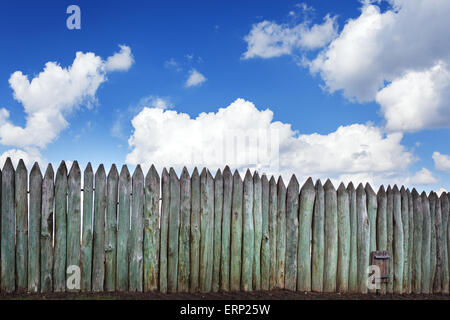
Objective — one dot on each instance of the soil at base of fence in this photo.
(257, 295)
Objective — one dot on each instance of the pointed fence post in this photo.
(112, 193)
(273, 208)
(281, 233)
(21, 203)
(46, 230)
(353, 269)
(265, 244)
(59, 267)
(248, 235)
(363, 238)
(417, 251)
(398, 242)
(174, 232)
(426, 244)
(437, 284)
(195, 233)
(445, 261)
(433, 239)
(411, 238)
(292, 204)
(344, 232)
(331, 238)
(258, 225)
(306, 211)
(236, 233)
(226, 230)
(34, 248)
(164, 231)
(218, 212)
(390, 237)
(206, 229)
(405, 221)
(185, 230)
(382, 226)
(318, 239)
(87, 234)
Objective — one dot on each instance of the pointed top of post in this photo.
(272, 180)
(281, 182)
(204, 173)
(264, 179)
(165, 173)
(328, 185)
(308, 185)
(185, 174)
(227, 168)
(318, 184)
(293, 183)
(369, 189)
(75, 169)
(248, 175)
(113, 173)
(101, 171)
(195, 173)
(62, 169)
(360, 188)
(414, 193)
(227, 172)
(341, 188)
(21, 165)
(236, 175)
(444, 196)
(218, 174)
(88, 168)
(8, 165)
(124, 173)
(402, 190)
(36, 169)
(381, 191)
(152, 171)
(424, 194)
(256, 176)
(395, 189)
(49, 173)
(350, 186)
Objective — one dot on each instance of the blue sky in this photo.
(304, 60)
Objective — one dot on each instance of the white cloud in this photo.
(120, 61)
(29, 157)
(398, 57)
(423, 177)
(168, 138)
(268, 39)
(52, 95)
(441, 161)
(195, 79)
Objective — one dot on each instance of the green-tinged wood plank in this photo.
(34, 248)
(60, 247)
(123, 230)
(151, 230)
(382, 226)
(248, 236)
(398, 242)
(281, 233)
(331, 238)
(236, 233)
(194, 283)
(226, 230)
(344, 232)
(290, 282)
(174, 232)
(206, 229)
(426, 244)
(411, 238)
(390, 237)
(112, 192)
(185, 230)
(417, 251)
(318, 239)
(445, 261)
(21, 202)
(258, 225)
(87, 234)
(273, 208)
(74, 222)
(98, 259)
(8, 229)
(218, 212)
(353, 268)
(306, 211)
(265, 244)
(363, 238)
(137, 232)
(433, 239)
(405, 221)
(48, 195)
(164, 230)
(371, 199)
(437, 284)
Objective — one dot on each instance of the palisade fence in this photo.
(201, 233)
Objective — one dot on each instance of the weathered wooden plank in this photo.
(353, 269)
(185, 230)
(74, 219)
(258, 224)
(218, 213)
(371, 199)
(426, 244)
(226, 230)
(405, 221)
(273, 208)
(164, 230)
(306, 211)
(137, 232)
(398, 242)
(59, 266)
(363, 238)
(265, 244)
(437, 284)
(318, 239)
(34, 248)
(98, 257)
(151, 230)
(48, 195)
(344, 232)
(411, 238)
(445, 261)
(432, 201)
(112, 192)
(195, 232)
(123, 230)
(390, 237)
(281, 233)
(292, 199)
(417, 251)
(206, 229)
(21, 202)
(236, 233)
(382, 226)
(174, 232)
(8, 229)
(331, 238)
(87, 234)
(248, 236)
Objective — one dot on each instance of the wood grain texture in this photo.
(217, 243)
(226, 230)
(206, 229)
(433, 254)
(248, 234)
(398, 242)
(174, 232)
(390, 237)
(87, 233)
(382, 226)
(258, 225)
(344, 233)
(21, 204)
(405, 221)
(331, 238)
(34, 234)
(185, 230)
(60, 247)
(164, 230)
(353, 268)
(273, 209)
(445, 261)
(411, 238)
(417, 245)
(98, 253)
(48, 195)
(363, 235)
(236, 233)
(74, 218)
(426, 244)
(281, 233)
(112, 193)
(151, 230)
(194, 281)
(265, 243)
(8, 229)
(292, 206)
(318, 239)
(437, 284)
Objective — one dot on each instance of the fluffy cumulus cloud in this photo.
(53, 94)
(398, 57)
(243, 136)
(423, 177)
(269, 39)
(441, 161)
(195, 79)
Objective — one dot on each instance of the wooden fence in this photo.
(204, 233)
